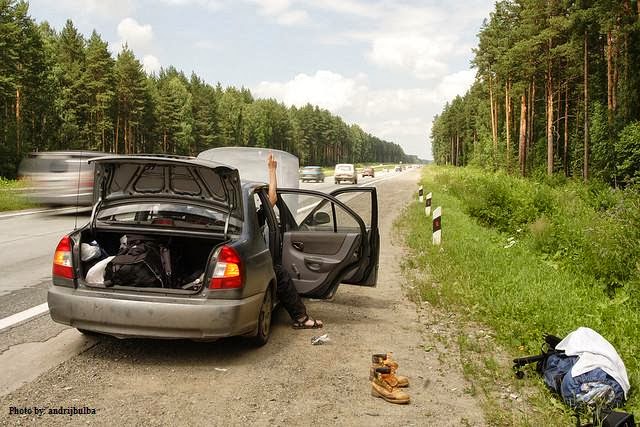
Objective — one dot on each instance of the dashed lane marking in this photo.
(23, 316)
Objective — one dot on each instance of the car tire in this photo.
(264, 320)
(355, 181)
(336, 181)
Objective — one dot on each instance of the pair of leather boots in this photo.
(385, 383)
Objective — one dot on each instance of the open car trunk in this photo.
(184, 262)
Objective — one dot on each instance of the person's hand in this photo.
(271, 162)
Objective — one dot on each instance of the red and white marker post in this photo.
(420, 192)
(427, 205)
(437, 226)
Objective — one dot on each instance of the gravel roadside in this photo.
(287, 382)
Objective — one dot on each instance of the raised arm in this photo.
(272, 164)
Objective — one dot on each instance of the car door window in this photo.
(360, 203)
(322, 215)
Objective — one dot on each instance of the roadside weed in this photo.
(526, 259)
(11, 198)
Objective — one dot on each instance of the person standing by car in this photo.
(286, 290)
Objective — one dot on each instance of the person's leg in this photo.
(291, 301)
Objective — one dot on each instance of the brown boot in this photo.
(380, 387)
(380, 360)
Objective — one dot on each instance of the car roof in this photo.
(160, 158)
(311, 167)
(70, 153)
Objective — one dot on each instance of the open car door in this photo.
(325, 242)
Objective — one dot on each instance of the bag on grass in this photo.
(584, 369)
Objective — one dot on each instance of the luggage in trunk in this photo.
(147, 261)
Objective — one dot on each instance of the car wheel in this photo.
(336, 181)
(264, 320)
(355, 181)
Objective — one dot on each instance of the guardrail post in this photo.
(427, 205)
(437, 226)
(420, 193)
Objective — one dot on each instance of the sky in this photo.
(388, 66)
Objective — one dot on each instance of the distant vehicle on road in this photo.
(312, 173)
(368, 171)
(345, 172)
(398, 168)
(187, 255)
(63, 178)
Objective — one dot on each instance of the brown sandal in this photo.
(303, 324)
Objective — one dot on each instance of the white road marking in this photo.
(23, 316)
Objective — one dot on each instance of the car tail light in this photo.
(227, 274)
(62, 260)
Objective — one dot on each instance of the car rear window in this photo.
(344, 168)
(168, 215)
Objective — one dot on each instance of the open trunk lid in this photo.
(129, 177)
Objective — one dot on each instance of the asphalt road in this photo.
(27, 243)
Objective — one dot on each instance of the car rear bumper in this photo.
(153, 317)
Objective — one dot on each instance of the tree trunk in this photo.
(457, 149)
(565, 154)
(18, 120)
(549, 118)
(585, 164)
(494, 121)
(164, 140)
(532, 110)
(522, 146)
(610, 75)
(115, 141)
(453, 152)
(507, 122)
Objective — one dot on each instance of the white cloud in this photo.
(206, 45)
(99, 8)
(151, 64)
(455, 84)
(325, 88)
(293, 17)
(352, 7)
(399, 115)
(137, 36)
(139, 39)
(282, 11)
(212, 5)
(424, 56)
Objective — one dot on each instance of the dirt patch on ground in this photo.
(287, 382)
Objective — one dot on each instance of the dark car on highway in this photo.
(203, 261)
(312, 173)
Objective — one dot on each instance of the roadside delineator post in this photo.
(427, 205)
(437, 226)
(420, 193)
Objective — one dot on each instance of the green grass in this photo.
(11, 198)
(552, 280)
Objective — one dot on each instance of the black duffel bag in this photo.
(138, 263)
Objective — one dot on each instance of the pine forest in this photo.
(556, 93)
(61, 90)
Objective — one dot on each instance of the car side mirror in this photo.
(321, 218)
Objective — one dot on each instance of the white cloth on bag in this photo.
(95, 275)
(593, 352)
